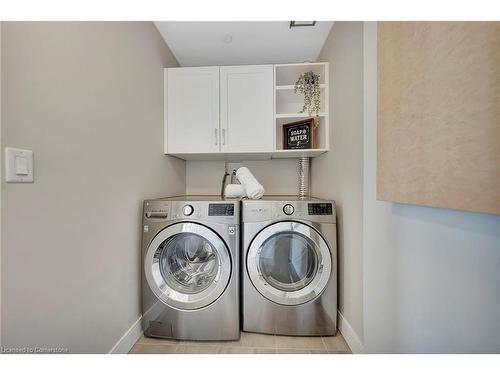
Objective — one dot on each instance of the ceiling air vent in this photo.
(301, 23)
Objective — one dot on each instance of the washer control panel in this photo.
(221, 209)
(288, 209)
(159, 211)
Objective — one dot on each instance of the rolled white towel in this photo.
(234, 191)
(253, 189)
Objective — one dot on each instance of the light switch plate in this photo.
(18, 165)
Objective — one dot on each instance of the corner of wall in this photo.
(369, 85)
(338, 174)
(1, 181)
(129, 338)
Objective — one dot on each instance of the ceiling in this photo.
(245, 42)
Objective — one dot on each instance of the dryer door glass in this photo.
(288, 261)
(187, 266)
(188, 262)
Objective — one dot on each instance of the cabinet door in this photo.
(246, 108)
(192, 110)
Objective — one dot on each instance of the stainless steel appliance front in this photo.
(190, 280)
(289, 267)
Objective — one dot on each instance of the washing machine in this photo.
(289, 266)
(190, 278)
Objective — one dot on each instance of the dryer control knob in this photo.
(288, 209)
(187, 210)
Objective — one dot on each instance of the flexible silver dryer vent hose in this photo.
(304, 177)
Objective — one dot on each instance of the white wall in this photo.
(278, 176)
(431, 276)
(338, 174)
(88, 99)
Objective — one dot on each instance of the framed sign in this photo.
(299, 134)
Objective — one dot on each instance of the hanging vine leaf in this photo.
(308, 85)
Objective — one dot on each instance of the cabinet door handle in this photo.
(216, 132)
(223, 136)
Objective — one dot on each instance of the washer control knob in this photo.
(288, 209)
(187, 210)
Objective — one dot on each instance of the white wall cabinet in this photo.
(238, 112)
(192, 110)
(246, 108)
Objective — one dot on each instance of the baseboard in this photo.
(129, 338)
(350, 335)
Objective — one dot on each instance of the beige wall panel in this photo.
(439, 114)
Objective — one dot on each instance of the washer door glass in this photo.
(187, 266)
(188, 262)
(289, 263)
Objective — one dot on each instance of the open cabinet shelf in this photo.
(287, 74)
(297, 115)
(311, 152)
(288, 107)
(292, 87)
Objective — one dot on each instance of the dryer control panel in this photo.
(320, 209)
(316, 210)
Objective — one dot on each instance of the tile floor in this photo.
(249, 343)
